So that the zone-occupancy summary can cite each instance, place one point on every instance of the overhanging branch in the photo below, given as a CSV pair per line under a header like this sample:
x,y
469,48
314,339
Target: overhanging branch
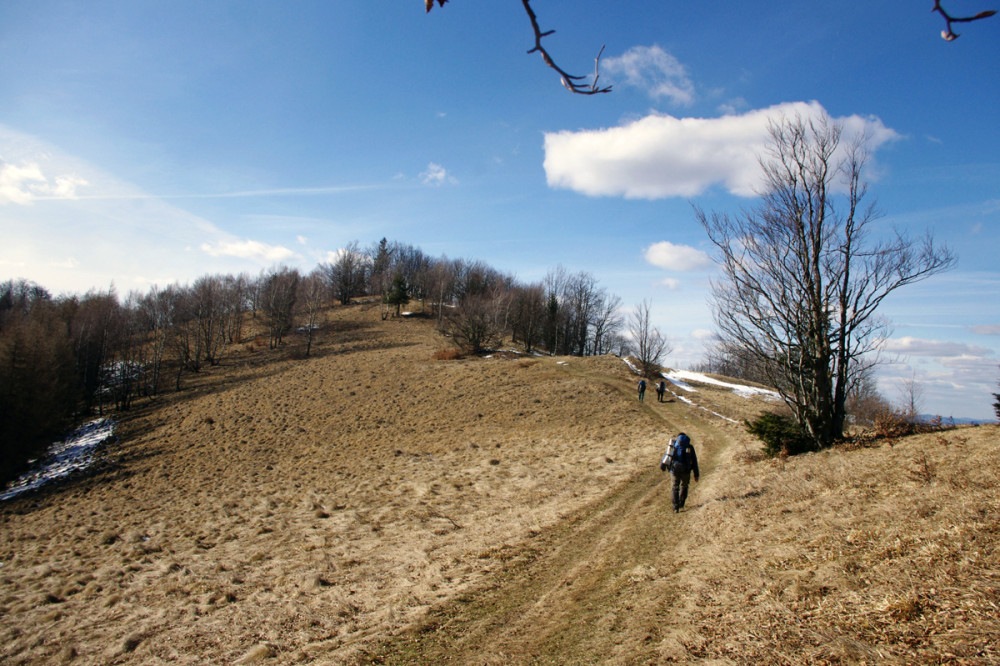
x,y
572,83
950,35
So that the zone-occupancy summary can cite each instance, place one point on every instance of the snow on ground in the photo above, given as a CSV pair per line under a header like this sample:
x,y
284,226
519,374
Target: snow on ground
x,y
73,454
678,376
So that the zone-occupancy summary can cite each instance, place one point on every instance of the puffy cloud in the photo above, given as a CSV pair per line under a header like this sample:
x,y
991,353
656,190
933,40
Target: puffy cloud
x,y
249,249
651,68
661,156
676,257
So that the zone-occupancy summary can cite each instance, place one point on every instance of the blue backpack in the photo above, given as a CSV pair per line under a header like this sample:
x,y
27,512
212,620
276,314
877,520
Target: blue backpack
x,y
677,458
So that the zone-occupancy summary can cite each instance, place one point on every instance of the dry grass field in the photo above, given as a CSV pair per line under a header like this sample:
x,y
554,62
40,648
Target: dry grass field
x,y
372,504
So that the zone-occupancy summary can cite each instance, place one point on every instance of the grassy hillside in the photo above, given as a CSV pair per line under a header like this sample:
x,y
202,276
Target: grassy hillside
x,y
371,504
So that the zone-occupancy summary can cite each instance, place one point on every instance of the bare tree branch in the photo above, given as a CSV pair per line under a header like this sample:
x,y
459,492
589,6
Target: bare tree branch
x,y
948,34
572,83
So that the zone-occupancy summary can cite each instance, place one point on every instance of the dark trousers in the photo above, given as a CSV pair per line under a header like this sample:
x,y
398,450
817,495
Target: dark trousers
x,y
681,482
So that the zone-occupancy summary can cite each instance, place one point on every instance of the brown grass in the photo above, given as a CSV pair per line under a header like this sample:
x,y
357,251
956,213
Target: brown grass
x,y
371,503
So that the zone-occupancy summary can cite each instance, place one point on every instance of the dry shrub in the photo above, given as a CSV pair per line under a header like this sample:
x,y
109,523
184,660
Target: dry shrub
x,y
452,354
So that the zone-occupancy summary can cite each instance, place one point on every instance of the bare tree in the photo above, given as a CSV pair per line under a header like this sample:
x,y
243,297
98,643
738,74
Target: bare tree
x,y
278,302
911,394
312,295
803,277
650,345
347,273
527,315
476,323
606,322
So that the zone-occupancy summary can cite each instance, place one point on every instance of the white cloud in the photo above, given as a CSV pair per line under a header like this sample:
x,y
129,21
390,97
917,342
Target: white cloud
x,y
670,283
661,156
651,68
676,257
112,232
986,329
703,334
26,183
249,249
436,175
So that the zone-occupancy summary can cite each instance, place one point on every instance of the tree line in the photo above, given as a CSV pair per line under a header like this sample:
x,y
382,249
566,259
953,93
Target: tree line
x,y
65,357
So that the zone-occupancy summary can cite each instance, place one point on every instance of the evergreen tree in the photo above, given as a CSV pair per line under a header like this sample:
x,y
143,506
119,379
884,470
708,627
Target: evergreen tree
x,y
399,292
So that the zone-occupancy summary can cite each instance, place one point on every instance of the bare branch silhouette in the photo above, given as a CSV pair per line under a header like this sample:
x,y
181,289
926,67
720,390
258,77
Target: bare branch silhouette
x,y
950,35
575,84
580,86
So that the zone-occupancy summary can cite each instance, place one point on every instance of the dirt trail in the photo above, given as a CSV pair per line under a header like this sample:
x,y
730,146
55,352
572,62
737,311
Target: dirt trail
x,y
606,586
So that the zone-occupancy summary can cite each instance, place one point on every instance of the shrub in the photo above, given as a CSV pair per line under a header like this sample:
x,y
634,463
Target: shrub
x,y
780,435
448,354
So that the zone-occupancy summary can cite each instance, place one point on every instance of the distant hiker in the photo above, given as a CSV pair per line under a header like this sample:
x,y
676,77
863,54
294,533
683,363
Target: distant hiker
x,y
682,462
661,388
642,389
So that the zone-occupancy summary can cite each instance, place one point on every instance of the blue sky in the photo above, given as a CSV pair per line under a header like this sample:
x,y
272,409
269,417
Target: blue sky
x,y
146,143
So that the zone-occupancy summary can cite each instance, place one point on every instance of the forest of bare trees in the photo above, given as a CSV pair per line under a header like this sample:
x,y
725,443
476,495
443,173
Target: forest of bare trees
x,y
62,358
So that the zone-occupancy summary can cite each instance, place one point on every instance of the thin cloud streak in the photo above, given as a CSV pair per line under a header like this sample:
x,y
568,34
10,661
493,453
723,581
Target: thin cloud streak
x,y
277,192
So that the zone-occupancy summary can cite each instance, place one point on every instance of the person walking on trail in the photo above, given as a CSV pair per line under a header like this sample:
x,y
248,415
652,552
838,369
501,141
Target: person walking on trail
x,y
682,462
661,388
642,389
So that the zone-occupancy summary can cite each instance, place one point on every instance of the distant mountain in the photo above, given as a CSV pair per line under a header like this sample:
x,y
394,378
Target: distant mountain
x,y
951,420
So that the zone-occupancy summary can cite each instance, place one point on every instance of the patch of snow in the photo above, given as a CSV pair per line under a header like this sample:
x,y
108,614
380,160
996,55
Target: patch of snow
x,y
73,454
741,390
679,384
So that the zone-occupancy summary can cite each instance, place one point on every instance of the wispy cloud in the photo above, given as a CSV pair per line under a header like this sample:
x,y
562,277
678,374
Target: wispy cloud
x,y
661,156
654,70
435,174
249,249
936,348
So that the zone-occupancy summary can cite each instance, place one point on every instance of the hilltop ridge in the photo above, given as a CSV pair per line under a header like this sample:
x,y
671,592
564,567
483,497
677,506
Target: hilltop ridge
x,y
371,503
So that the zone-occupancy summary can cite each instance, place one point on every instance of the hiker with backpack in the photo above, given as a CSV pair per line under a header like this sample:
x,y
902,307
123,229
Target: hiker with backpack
x,y
661,388
682,462
642,389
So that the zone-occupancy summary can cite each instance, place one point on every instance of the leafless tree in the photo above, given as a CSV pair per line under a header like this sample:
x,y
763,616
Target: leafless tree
x,y
312,295
527,315
649,344
278,302
606,322
476,324
158,306
803,276
346,274
911,393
